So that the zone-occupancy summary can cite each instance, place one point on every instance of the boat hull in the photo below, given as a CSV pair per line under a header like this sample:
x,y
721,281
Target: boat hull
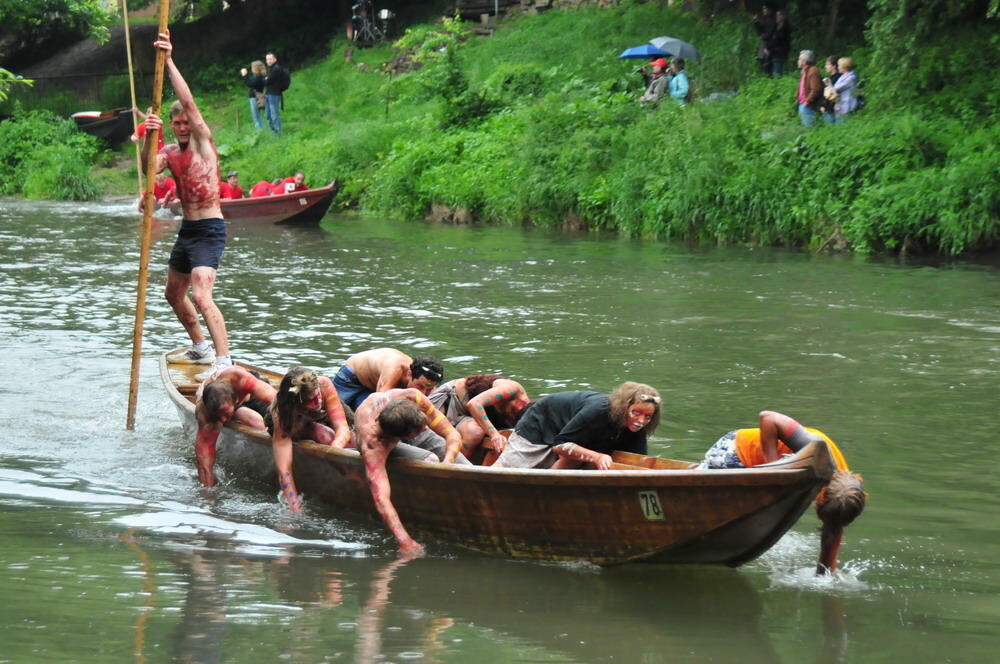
x,y
114,126
723,517
300,207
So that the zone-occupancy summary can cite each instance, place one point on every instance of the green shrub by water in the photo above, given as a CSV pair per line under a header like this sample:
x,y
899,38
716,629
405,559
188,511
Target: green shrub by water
x,y
45,156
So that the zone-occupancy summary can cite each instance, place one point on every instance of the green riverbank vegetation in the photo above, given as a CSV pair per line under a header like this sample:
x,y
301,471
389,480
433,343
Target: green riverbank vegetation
x,y
539,124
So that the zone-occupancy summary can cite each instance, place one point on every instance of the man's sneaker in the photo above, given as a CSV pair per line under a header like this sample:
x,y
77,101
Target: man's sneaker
x,y
192,356
212,370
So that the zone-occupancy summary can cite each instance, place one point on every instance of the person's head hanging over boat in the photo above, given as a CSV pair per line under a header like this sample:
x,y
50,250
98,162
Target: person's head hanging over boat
x,y
232,394
837,505
583,428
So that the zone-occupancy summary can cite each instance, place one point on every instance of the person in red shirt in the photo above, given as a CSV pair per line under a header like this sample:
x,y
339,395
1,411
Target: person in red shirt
x,y
231,187
262,188
165,191
295,182
139,135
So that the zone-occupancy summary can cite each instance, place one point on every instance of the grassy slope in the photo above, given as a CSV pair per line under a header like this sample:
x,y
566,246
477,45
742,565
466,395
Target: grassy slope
x,y
555,136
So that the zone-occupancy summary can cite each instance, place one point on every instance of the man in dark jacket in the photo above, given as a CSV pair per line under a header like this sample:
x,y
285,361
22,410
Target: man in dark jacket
x,y
275,84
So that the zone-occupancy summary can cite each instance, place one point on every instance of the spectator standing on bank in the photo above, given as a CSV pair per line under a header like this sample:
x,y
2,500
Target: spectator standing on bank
x,y
657,83
764,23
275,84
810,89
779,44
254,80
829,94
846,88
678,85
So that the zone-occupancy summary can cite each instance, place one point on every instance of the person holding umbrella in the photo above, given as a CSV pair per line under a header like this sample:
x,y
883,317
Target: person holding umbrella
x,y
657,84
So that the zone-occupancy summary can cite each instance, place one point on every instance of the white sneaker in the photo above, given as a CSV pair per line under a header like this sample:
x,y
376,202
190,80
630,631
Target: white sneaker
x,y
192,355
211,371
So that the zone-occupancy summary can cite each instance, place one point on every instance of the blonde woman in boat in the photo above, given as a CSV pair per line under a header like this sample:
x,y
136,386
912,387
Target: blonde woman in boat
x,y
306,407
582,428
231,394
480,405
840,503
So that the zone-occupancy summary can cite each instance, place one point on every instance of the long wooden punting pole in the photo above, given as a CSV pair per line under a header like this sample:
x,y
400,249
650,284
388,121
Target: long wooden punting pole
x,y
147,227
131,87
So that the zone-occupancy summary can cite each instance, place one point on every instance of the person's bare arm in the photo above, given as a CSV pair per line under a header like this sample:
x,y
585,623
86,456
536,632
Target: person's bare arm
x,y
774,426
282,447
574,452
335,409
374,454
438,423
391,377
199,128
204,451
501,392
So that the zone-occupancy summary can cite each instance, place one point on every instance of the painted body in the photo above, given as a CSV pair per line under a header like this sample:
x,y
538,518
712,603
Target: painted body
x,y
310,403
375,446
245,386
194,162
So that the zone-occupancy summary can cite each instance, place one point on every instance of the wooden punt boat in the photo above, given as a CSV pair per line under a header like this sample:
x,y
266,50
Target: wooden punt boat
x,y
114,126
646,509
297,207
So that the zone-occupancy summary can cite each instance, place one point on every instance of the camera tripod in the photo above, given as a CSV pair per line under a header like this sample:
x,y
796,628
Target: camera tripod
x,y
366,31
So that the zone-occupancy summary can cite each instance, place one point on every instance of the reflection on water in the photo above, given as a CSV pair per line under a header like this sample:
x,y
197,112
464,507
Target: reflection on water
x,y
885,358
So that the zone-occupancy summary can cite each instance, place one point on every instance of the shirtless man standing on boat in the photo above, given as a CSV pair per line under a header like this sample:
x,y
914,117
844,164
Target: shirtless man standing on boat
x,y
194,260
383,369
383,422
231,394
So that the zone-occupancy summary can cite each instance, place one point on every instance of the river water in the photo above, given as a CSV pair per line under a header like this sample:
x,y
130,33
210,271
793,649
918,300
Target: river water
x,y
111,552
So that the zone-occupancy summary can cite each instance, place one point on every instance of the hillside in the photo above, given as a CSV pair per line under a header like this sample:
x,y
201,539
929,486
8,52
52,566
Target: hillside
x,y
539,124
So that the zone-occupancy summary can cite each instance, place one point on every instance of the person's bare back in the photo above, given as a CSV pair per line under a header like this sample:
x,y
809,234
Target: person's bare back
x,y
381,369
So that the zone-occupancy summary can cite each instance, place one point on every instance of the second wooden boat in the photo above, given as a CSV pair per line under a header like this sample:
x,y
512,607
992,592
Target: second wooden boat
x,y
646,509
297,207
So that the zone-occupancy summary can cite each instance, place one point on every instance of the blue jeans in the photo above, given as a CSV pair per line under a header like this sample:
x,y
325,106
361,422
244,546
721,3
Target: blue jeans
x,y
807,115
272,105
255,113
777,67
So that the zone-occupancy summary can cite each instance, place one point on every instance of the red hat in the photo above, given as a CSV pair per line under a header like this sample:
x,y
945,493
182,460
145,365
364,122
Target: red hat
x,y
659,62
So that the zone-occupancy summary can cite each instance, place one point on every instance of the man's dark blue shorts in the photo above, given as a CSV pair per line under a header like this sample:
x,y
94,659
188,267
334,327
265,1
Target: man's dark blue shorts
x,y
199,244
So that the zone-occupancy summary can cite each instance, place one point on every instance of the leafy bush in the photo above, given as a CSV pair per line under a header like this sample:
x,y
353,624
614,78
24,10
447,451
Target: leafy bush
x,y
23,142
58,172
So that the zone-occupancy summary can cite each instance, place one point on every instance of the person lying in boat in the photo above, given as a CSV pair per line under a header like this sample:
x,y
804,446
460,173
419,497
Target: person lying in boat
x,y
479,405
265,188
306,407
837,505
582,428
383,369
401,423
231,394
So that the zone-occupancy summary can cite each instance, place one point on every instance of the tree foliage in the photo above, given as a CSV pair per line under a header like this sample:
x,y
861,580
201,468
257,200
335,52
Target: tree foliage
x,y
30,24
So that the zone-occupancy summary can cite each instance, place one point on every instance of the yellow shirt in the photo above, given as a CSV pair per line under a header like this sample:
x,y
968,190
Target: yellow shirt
x,y
752,454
